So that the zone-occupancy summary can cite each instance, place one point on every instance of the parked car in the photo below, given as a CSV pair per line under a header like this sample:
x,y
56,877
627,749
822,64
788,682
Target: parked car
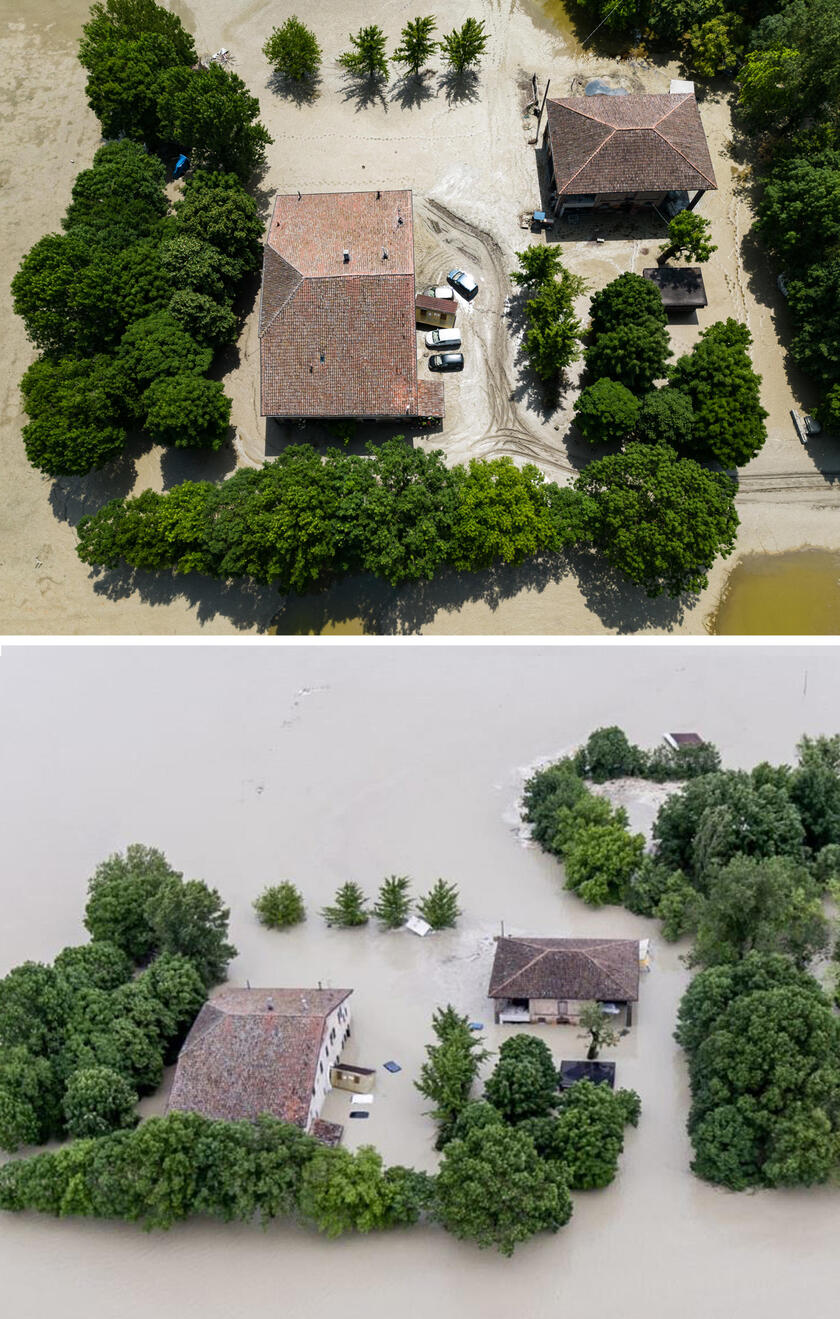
x,y
446,362
440,291
463,284
446,339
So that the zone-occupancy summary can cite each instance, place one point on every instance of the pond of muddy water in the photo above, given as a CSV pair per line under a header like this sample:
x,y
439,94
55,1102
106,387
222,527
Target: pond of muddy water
x,y
793,594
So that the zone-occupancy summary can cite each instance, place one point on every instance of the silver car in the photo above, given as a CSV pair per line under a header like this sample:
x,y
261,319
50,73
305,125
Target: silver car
x,y
443,339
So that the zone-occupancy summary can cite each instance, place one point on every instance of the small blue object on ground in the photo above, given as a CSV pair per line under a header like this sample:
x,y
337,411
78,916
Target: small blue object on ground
x,y
182,164
392,1066
476,1025
359,1113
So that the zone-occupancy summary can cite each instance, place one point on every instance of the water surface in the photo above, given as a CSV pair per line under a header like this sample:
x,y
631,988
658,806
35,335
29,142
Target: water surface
x,y
793,594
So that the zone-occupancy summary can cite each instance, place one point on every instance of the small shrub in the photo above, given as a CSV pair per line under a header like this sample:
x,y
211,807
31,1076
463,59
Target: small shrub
x,y
280,906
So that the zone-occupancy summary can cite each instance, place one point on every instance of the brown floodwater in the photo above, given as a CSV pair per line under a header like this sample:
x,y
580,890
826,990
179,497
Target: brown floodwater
x,y
323,762
793,594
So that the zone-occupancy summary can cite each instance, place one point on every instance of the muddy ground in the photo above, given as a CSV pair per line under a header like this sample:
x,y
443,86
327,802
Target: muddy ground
x,y
465,152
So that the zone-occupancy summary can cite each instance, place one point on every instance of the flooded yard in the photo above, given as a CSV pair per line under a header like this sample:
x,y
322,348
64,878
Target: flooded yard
x,y
795,594
323,764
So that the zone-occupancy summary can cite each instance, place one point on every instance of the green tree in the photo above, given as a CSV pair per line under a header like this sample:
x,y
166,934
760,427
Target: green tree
x,y
293,50
550,342
626,300
715,47
712,990
586,1136
203,318
186,410
114,19
280,906
30,1108
463,47
121,198
97,1101
367,59
213,118
523,1084
815,790
769,86
493,1188
154,347
688,236
123,84
799,211
74,406
635,354
600,860
189,918
118,893
666,416
813,300
440,906
216,209
66,294
191,264
598,1028
767,904
659,519
418,45
349,907
504,514
538,264
606,412
393,904
98,965
680,907
351,1192
450,1069
608,754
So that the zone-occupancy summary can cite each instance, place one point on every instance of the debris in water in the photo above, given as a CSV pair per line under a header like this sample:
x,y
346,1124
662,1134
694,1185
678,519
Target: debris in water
x,y
392,1066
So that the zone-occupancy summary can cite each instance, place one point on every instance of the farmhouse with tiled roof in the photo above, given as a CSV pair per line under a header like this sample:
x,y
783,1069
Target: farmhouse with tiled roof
x,y
614,151
337,326
255,1051
550,979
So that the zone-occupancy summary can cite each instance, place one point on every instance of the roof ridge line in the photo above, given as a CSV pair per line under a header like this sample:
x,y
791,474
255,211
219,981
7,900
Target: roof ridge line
x,y
520,969
682,154
286,300
599,147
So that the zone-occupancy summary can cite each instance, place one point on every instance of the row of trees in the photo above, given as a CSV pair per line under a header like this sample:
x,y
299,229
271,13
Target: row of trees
x,y
709,405
302,522
552,330
511,1157
81,1038
294,52
784,55
281,905
609,754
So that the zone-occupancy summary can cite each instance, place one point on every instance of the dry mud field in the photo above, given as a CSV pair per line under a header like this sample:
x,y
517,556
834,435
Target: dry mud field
x,y
469,162
334,764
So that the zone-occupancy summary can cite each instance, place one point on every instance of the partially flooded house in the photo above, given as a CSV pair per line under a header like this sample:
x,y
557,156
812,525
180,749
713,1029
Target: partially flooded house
x,y
264,1051
550,980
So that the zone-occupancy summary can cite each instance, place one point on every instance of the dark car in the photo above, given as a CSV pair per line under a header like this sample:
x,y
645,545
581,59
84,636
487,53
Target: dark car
x,y
463,284
446,362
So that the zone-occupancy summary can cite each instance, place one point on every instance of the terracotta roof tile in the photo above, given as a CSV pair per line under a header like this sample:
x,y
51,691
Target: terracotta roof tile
x,y
242,1058
601,969
338,338
637,143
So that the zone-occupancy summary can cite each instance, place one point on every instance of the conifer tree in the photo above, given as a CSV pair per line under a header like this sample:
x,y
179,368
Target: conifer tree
x,y
393,903
349,908
417,45
440,906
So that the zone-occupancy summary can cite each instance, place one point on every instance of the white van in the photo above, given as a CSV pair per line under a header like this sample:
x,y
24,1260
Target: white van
x,y
443,340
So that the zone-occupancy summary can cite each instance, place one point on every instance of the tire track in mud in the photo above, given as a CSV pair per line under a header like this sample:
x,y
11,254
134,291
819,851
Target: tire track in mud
x,y
507,423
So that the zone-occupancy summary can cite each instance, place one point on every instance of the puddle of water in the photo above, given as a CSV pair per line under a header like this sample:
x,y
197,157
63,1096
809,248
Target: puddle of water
x,y
794,594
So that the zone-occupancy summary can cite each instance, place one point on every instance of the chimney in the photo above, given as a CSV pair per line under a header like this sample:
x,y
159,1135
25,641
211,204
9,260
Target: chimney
x,y
378,194
346,256
399,221
384,254
269,1005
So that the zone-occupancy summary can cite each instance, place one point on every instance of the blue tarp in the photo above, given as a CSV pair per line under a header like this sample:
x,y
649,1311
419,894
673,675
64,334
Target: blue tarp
x,y
182,164
597,87
392,1066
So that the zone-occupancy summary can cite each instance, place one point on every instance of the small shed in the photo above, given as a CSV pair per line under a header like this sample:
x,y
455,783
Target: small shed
x,y
346,1077
434,311
597,1072
681,288
679,741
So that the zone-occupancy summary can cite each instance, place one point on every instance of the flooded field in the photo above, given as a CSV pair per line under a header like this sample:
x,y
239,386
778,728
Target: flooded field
x,y
795,594
326,763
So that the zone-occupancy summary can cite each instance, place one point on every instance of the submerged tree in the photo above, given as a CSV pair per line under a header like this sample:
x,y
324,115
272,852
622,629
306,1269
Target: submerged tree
x,y
598,1028
440,906
280,905
393,904
349,907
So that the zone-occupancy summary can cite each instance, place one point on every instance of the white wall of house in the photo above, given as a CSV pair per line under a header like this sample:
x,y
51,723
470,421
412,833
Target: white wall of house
x,y
336,1029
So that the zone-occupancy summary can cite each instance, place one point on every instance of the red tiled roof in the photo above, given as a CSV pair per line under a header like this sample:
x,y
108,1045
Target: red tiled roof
x,y
636,143
337,338
242,1058
427,303
601,969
